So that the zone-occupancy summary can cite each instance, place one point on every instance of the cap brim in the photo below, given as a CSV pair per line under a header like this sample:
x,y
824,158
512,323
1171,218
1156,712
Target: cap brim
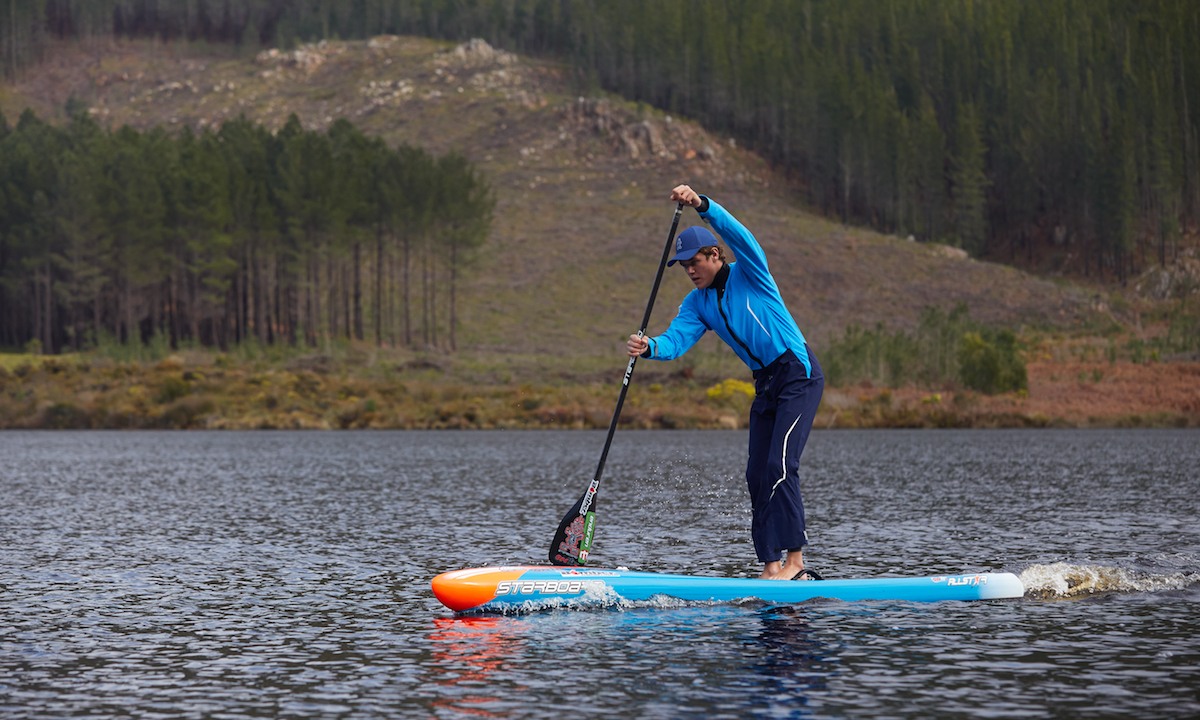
x,y
682,255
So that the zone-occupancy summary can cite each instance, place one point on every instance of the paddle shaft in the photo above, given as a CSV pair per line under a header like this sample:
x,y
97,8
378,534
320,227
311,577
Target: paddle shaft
x,y
582,520
662,265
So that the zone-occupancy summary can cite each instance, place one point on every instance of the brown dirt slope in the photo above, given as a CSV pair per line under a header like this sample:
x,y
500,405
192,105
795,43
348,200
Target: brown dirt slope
x,y
1061,394
582,185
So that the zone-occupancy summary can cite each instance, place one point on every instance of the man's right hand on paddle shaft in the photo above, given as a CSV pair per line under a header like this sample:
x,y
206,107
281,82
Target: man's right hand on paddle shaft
x,y
637,345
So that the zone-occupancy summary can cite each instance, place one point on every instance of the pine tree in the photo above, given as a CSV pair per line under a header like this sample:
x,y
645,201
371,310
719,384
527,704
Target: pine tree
x,y
465,205
968,181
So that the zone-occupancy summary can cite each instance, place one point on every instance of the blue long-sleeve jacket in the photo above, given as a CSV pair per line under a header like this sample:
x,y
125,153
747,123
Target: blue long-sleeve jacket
x,y
748,314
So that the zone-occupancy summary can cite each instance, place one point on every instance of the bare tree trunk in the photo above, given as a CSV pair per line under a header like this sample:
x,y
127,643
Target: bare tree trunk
x,y
425,298
173,310
379,285
846,182
48,321
346,299
193,307
391,303
1189,170
35,332
118,321
222,328
316,298
282,306
358,314
407,308
156,309
433,325
12,25
239,301
1087,258
306,304
97,316
74,313
331,301
453,306
128,313
291,304
271,298
261,315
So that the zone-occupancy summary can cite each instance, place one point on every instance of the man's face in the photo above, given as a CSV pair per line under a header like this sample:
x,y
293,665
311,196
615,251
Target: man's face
x,y
702,268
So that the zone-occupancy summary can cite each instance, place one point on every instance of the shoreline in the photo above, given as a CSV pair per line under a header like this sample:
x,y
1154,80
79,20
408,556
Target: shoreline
x,y
77,393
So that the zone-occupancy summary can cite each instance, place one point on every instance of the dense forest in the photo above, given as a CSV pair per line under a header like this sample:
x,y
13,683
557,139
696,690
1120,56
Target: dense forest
x,y
998,125
230,236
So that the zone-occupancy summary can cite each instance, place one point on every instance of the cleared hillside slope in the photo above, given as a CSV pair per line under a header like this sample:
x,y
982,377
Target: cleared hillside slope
x,y
582,185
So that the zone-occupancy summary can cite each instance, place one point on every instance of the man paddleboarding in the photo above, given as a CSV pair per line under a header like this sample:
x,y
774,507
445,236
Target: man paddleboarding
x,y
740,302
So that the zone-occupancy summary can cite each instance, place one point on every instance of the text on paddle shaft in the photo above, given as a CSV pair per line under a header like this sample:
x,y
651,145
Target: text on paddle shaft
x,y
593,486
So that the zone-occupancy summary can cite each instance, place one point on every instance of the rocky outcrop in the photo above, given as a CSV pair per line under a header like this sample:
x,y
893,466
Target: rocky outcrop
x,y
1181,278
639,139
476,52
306,57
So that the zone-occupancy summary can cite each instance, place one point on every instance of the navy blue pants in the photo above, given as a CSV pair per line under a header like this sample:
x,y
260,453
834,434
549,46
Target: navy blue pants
x,y
781,417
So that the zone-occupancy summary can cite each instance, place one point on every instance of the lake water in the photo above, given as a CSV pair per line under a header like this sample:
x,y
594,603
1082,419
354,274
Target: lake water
x,y
279,574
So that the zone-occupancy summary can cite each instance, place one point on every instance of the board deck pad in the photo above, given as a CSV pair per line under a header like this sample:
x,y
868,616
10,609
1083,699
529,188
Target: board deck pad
x,y
528,588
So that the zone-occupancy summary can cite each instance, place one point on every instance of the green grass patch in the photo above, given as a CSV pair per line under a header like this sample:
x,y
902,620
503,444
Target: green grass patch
x,y
946,350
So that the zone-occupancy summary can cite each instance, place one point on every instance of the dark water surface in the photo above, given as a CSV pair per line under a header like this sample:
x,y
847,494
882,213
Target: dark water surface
x,y
278,574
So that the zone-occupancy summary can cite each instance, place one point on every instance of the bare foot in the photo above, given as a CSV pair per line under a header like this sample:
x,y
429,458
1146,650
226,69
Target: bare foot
x,y
770,570
790,568
780,571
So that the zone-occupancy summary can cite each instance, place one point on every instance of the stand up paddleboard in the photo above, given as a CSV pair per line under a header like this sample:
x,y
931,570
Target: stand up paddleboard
x,y
529,588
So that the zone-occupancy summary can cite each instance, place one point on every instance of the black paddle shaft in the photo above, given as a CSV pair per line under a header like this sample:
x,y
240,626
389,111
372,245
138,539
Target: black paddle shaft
x,y
662,265
573,538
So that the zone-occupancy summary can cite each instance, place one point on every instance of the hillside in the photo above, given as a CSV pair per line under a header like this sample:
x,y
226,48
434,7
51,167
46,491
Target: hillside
x,y
581,185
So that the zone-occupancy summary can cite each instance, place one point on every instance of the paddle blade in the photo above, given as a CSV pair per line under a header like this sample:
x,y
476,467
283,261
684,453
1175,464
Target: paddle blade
x,y
573,539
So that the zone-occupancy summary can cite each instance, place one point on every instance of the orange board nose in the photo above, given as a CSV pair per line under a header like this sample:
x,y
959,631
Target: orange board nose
x,y
462,590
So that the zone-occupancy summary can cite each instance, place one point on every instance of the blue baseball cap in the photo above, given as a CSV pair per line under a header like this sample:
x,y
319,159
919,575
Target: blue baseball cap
x,y
689,242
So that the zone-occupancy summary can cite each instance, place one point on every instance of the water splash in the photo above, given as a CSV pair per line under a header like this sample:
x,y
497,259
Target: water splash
x,y
1061,581
601,597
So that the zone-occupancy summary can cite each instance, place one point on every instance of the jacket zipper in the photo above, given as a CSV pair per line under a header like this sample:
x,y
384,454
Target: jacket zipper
x,y
732,334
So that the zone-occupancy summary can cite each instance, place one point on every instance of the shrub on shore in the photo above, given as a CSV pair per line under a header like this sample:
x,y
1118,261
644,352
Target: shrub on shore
x,y
947,349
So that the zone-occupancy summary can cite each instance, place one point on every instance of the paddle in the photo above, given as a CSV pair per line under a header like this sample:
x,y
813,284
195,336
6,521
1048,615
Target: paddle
x,y
573,539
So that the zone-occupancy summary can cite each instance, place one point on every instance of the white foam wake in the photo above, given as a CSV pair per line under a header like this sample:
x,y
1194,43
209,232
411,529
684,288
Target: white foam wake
x,y
1064,580
599,596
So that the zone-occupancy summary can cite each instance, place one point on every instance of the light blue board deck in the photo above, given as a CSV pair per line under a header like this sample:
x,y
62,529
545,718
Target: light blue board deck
x,y
526,588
